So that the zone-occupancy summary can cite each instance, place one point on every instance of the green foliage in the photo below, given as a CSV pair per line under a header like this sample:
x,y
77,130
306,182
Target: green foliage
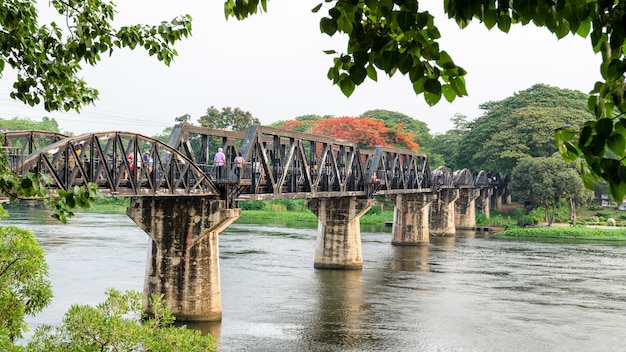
x,y
446,145
17,124
546,181
118,325
78,197
252,205
24,286
228,119
48,57
519,127
375,210
527,220
578,232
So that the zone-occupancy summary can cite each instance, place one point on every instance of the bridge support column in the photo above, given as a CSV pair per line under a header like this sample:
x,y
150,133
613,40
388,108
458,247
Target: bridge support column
x,y
465,208
442,212
483,201
410,219
183,261
339,232
496,198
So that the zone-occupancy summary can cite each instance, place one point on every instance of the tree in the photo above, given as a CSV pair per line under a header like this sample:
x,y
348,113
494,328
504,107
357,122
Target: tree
x,y
16,124
395,36
118,324
304,123
519,127
419,129
445,145
365,131
547,180
228,119
24,286
48,58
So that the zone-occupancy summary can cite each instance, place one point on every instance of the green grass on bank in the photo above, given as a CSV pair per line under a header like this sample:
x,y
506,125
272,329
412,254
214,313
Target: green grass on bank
x,y
575,232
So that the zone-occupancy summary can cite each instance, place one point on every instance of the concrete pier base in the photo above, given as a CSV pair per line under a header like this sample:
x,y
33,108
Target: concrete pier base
x,y
410,219
465,208
442,213
339,232
183,259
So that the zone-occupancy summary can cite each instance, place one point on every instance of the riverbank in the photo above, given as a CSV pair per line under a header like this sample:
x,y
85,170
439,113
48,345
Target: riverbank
x,y
573,232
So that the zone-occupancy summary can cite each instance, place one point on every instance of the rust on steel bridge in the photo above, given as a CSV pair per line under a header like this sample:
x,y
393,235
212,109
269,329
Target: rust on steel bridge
x,y
278,164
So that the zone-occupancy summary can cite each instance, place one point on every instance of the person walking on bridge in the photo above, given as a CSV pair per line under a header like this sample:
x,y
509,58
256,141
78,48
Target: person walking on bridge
x,y
239,160
220,161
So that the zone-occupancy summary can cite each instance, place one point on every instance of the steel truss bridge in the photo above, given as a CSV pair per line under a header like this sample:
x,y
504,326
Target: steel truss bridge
x,y
278,164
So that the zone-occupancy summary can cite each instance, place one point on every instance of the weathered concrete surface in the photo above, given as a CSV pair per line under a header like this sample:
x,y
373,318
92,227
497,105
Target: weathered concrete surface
x,y
497,197
410,218
339,232
483,201
183,261
465,208
442,213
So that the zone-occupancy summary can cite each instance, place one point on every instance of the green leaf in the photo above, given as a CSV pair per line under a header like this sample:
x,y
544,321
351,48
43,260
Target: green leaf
x,y
431,98
504,24
346,85
371,73
604,127
448,93
357,74
433,86
317,8
616,144
597,145
328,26
490,18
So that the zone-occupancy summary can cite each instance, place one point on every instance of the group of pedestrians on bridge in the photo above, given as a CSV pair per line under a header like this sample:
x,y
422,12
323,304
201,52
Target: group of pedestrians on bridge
x,y
220,162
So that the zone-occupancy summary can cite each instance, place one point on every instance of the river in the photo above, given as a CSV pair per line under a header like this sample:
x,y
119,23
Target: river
x,y
472,292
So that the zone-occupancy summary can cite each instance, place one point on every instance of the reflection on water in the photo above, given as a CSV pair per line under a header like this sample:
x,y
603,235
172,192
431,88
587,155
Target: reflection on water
x,y
472,292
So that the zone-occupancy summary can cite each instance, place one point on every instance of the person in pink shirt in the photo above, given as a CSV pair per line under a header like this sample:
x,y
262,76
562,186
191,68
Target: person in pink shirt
x,y
220,161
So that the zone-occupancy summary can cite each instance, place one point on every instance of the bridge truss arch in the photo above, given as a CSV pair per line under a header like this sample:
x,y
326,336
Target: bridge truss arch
x,y
114,161
442,177
464,179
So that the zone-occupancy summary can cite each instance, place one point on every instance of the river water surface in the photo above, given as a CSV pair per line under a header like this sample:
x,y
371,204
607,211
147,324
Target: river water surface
x,y
472,292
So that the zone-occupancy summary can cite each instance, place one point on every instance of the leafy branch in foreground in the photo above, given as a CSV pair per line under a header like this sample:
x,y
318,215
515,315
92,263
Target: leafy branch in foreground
x,y
30,187
24,286
119,324
394,35
48,57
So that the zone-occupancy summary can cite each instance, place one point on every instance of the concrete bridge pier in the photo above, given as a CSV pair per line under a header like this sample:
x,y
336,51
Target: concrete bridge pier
x,y
465,208
183,261
410,218
339,232
442,212
483,201
496,198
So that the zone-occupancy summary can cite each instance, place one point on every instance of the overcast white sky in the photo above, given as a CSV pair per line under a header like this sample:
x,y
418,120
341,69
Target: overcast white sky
x,y
272,65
